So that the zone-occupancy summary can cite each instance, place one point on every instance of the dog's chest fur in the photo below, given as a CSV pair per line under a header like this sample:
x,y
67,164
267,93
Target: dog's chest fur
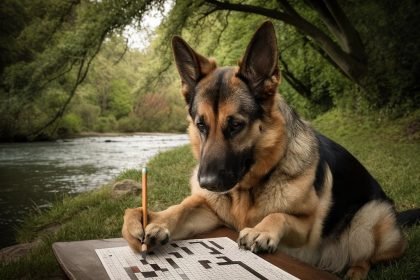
x,y
242,208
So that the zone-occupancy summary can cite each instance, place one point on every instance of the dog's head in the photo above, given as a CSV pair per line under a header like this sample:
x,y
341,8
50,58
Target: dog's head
x,y
231,111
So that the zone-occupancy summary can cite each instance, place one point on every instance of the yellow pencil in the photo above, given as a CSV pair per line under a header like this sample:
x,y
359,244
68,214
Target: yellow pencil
x,y
144,206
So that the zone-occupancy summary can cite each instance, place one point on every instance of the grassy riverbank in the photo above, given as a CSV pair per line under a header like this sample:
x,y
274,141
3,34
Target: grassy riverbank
x,y
390,150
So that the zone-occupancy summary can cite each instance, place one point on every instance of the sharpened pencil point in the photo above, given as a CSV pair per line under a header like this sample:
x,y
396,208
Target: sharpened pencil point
x,y
143,250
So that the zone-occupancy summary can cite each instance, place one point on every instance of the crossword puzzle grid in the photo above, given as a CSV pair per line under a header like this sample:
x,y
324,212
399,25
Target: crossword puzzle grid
x,y
214,258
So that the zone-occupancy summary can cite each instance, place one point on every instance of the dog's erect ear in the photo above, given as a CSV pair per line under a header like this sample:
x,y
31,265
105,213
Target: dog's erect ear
x,y
259,67
191,66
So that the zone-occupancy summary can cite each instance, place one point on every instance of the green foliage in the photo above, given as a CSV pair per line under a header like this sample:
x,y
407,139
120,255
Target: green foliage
x,y
12,20
128,124
105,124
389,32
70,124
70,57
88,113
57,42
120,103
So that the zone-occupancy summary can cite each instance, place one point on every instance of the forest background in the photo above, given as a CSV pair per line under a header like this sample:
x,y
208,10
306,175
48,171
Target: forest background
x,y
67,67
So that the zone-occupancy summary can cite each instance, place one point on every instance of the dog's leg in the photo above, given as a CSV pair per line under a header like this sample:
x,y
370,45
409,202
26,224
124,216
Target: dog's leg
x,y
374,236
358,271
276,227
383,252
192,216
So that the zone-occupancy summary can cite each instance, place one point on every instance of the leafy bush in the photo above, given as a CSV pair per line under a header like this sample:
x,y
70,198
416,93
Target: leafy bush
x,y
105,124
128,124
88,114
70,124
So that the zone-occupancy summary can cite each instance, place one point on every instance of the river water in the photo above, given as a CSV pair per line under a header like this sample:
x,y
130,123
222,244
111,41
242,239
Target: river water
x,y
33,175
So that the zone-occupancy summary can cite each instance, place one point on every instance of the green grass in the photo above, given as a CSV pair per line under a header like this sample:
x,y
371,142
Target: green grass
x,y
389,149
168,180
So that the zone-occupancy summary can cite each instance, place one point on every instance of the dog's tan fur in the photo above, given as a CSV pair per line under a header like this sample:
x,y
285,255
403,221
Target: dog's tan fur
x,y
280,212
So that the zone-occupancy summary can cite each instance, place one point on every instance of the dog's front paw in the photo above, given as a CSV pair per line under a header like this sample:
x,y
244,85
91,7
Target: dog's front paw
x,y
156,234
258,241
132,229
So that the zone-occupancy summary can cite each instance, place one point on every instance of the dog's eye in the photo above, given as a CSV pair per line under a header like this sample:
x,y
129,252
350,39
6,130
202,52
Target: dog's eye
x,y
202,127
235,126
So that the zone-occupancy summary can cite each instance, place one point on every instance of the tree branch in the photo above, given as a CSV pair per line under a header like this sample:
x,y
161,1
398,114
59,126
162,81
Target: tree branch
x,y
325,56
339,25
123,53
288,8
327,19
350,65
219,36
57,76
63,15
274,14
206,14
294,82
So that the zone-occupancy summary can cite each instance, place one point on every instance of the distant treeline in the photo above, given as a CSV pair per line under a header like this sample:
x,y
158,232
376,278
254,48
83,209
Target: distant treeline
x,y
65,66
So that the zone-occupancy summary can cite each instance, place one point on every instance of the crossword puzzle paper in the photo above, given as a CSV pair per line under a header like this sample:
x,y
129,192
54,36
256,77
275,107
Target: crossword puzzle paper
x,y
214,258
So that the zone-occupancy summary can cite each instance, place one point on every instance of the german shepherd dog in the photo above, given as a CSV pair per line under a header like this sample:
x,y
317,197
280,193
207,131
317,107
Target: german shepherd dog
x,y
268,174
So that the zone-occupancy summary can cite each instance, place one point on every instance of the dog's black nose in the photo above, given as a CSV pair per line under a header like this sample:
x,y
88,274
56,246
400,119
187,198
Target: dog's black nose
x,y
216,181
209,181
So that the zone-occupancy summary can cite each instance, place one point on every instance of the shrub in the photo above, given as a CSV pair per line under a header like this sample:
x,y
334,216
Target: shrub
x,y
106,124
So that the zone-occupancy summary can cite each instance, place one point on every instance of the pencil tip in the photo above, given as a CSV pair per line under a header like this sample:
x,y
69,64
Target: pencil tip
x,y
143,250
